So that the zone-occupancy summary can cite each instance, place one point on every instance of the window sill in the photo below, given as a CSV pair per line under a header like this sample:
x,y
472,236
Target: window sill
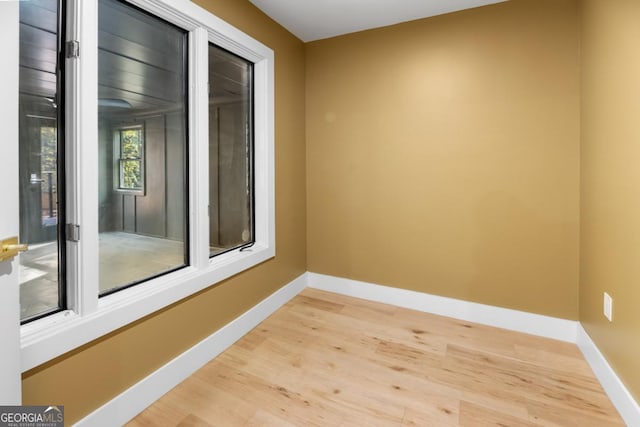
x,y
128,192
54,335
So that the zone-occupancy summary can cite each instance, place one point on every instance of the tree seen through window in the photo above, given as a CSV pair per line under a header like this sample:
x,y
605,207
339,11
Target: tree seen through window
x,y
131,154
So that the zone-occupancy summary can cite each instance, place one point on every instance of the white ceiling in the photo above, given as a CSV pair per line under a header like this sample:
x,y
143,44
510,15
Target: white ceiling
x,y
319,19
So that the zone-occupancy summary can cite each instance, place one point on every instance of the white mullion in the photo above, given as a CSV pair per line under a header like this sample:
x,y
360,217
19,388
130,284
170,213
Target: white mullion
x,y
199,147
264,153
72,161
84,123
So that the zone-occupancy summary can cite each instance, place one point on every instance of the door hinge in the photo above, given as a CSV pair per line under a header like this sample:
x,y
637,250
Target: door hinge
x,y
73,49
73,232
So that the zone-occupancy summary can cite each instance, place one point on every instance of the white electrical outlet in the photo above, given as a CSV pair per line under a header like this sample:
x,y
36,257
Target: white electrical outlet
x,y
608,307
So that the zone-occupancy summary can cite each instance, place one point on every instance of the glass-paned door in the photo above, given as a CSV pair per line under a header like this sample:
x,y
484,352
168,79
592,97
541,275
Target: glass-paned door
x,y
10,368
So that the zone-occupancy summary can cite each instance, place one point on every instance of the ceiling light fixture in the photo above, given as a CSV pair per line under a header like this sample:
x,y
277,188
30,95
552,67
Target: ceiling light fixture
x,y
112,102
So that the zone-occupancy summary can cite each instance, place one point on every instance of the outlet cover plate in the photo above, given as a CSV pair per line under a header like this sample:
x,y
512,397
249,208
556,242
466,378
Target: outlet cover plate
x,y
608,307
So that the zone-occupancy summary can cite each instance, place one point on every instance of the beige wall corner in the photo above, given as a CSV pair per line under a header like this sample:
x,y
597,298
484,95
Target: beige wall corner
x,y
610,191
88,377
443,156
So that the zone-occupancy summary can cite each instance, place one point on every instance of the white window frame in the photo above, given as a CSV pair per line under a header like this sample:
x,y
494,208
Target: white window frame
x,y
89,317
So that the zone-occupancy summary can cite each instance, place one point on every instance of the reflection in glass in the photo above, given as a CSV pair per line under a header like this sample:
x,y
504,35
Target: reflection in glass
x,y
130,165
40,290
142,146
230,151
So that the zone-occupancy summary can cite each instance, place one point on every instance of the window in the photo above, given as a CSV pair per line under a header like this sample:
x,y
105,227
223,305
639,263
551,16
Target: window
x,y
42,290
130,149
230,151
142,152
142,81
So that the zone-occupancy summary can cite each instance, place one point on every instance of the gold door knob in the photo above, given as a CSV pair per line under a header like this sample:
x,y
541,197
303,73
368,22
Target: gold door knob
x,y
10,248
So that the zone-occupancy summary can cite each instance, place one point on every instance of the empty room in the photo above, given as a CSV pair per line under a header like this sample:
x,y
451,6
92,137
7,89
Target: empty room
x,y
299,213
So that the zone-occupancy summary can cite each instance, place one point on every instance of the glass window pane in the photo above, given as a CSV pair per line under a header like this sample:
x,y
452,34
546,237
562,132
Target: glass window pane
x,y
131,143
40,147
230,151
142,146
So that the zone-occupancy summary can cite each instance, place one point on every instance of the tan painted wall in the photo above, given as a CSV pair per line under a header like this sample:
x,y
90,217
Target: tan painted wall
x,y
85,379
610,192
443,156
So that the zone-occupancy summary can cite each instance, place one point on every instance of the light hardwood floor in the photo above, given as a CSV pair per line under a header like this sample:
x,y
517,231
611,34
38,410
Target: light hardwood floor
x,y
329,360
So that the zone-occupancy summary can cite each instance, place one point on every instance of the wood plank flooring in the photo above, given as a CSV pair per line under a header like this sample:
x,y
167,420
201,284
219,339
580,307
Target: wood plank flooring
x,y
329,360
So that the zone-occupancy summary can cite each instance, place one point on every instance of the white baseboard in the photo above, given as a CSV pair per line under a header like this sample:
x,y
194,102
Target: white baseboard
x,y
535,324
139,396
618,393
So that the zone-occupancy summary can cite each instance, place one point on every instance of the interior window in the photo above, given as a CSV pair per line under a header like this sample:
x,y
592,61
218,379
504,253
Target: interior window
x,y
130,149
142,195
41,282
231,205
113,178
